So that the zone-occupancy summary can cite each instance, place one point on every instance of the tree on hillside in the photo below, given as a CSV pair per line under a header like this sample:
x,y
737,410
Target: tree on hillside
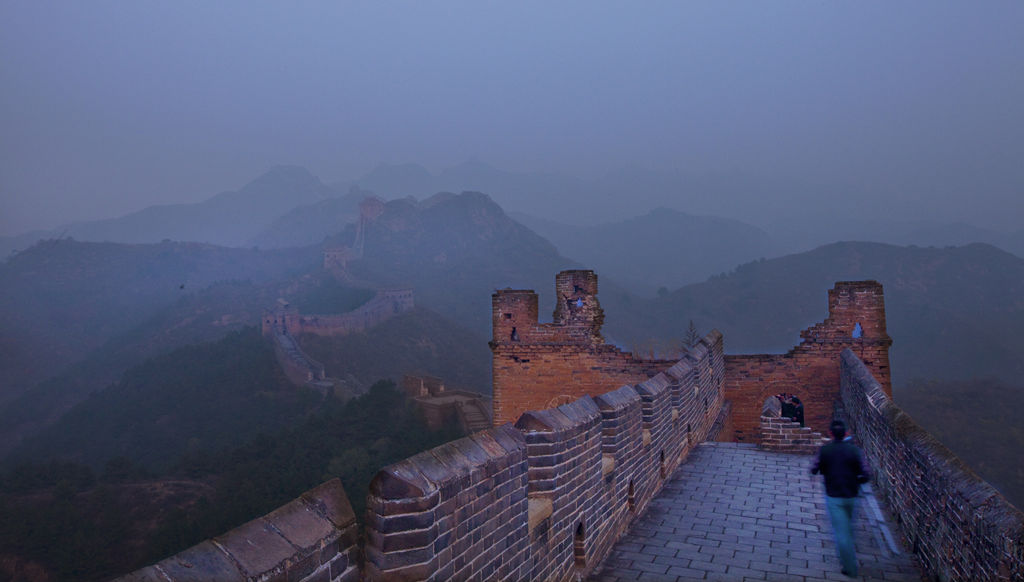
x,y
692,337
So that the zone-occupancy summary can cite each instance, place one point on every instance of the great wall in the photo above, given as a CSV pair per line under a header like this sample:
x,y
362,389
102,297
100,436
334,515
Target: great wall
x,y
285,323
587,436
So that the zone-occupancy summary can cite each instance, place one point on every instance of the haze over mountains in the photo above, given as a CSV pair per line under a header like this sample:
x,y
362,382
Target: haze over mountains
x,y
638,209
151,347
669,146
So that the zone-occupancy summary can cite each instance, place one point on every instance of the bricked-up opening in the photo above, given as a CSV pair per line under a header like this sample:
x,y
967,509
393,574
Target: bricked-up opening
x,y
661,461
631,498
579,548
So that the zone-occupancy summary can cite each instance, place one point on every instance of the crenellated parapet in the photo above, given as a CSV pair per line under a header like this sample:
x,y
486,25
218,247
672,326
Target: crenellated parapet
x,y
547,497
959,526
591,437
314,538
541,365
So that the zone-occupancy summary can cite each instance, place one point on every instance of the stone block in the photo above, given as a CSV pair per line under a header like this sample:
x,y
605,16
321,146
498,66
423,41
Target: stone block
x,y
401,480
301,525
257,548
330,499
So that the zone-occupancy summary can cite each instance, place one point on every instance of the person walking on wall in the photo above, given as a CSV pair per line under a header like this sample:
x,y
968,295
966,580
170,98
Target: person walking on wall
x,y
842,465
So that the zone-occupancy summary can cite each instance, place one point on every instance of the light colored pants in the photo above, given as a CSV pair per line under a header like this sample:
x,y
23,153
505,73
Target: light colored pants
x,y
840,511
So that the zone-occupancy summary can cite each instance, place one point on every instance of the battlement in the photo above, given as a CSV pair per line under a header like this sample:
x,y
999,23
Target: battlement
x,y
856,321
312,538
959,526
539,365
545,498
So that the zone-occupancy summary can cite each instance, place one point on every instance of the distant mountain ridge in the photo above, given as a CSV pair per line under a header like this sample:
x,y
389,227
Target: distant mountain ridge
x,y
454,250
106,305
663,249
226,219
310,224
952,312
288,206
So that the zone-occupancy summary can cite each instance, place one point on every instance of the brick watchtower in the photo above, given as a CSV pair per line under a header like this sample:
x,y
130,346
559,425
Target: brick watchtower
x,y
856,320
539,366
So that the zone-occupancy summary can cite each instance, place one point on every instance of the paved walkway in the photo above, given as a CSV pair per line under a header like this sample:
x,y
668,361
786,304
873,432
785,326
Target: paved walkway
x,y
733,512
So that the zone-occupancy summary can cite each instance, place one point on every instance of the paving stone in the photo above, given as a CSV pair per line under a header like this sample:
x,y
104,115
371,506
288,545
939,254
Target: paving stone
x,y
733,512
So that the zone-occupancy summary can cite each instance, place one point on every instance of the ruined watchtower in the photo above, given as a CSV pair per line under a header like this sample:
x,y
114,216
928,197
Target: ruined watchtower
x,y
856,320
544,365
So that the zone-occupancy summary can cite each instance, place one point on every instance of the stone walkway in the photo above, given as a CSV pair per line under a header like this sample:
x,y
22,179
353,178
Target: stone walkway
x,y
733,512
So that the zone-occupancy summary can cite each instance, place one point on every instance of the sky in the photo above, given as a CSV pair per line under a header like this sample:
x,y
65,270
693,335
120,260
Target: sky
x,y
916,108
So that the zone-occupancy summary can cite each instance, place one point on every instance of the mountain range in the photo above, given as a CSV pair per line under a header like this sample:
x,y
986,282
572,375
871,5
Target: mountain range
x,y
151,348
232,218
288,206
952,312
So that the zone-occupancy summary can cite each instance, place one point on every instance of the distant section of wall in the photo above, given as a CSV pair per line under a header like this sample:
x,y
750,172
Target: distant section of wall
x,y
284,324
547,498
383,306
297,365
811,369
422,385
960,527
312,539
543,365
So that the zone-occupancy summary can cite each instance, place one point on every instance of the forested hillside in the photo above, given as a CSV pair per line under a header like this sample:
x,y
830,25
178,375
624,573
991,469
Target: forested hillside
x,y
113,521
64,299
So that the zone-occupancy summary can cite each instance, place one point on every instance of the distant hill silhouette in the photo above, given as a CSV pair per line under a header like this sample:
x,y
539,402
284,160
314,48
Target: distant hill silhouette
x,y
454,250
952,312
312,223
663,248
228,218
796,235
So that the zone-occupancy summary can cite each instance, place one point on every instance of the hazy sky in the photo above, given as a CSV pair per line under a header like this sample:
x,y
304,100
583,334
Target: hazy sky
x,y
107,107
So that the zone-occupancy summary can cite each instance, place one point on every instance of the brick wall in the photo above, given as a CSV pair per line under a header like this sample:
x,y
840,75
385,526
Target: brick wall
x,y
547,497
458,511
299,368
383,306
787,436
811,369
543,365
311,539
960,527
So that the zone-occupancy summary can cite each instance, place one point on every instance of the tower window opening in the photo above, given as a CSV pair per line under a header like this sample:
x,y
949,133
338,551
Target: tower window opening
x,y
579,547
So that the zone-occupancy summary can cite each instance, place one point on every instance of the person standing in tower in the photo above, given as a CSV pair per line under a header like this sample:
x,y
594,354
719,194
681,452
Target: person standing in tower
x,y
842,465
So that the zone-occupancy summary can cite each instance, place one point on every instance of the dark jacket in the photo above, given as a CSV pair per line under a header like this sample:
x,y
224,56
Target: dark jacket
x,y
843,467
